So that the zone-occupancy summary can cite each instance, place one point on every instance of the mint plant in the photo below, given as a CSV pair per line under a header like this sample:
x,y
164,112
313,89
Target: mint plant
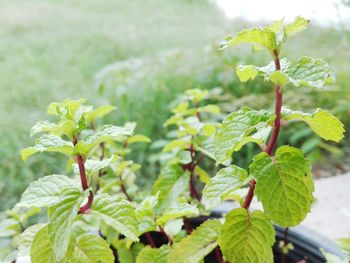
x,y
281,179
101,215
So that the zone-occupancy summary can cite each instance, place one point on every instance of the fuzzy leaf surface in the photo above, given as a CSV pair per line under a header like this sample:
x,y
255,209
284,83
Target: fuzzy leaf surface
x,y
198,244
238,129
61,217
323,123
90,249
117,213
247,237
48,143
222,184
46,191
284,185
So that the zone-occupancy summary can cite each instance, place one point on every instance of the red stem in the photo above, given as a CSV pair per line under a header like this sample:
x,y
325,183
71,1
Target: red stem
x,y
275,130
218,255
150,240
80,161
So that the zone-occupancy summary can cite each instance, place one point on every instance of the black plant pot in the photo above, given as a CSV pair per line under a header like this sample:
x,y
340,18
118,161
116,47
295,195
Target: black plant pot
x,y
306,243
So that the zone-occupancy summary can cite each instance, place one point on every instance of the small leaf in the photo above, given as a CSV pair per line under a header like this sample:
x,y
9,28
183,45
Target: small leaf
x,y
198,244
310,72
99,113
238,129
259,37
324,124
41,250
284,185
222,185
61,217
172,182
93,166
210,108
48,143
90,249
66,127
299,24
184,157
175,144
245,73
247,237
180,210
138,138
204,177
103,134
344,244
117,213
47,191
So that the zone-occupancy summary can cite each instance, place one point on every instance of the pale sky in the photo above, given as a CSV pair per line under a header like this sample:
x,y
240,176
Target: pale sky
x,y
323,12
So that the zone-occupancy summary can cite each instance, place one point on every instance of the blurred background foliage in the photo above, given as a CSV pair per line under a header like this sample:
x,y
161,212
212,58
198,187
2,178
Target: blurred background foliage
x,y
139,56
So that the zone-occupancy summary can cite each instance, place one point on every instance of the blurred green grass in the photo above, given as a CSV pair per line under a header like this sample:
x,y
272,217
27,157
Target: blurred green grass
x,y
51,50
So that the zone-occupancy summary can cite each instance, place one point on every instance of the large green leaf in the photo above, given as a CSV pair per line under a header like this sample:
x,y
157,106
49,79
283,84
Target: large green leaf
x,y
118,213
61,217
48,143
99,112
41,250
222,185
247,237
172,182
323,123
180,210
284,185
238,129
259,37
198,244
47,191
90,249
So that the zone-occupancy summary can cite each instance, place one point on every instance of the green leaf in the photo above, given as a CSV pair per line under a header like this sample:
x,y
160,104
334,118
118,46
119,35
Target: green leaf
x,y
117,213
247,237
63,127
210,108
104,134
184,157
196,95
162,254
47,191
198,244
172,182
259,37
284,185
48,143
61,217
147,255
204,177
299,24
324,124
9,227
138,138
180,210
25,240
247,72
99,113
41,250
175,144
145,214
90,249
93,166
238,129
222,185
